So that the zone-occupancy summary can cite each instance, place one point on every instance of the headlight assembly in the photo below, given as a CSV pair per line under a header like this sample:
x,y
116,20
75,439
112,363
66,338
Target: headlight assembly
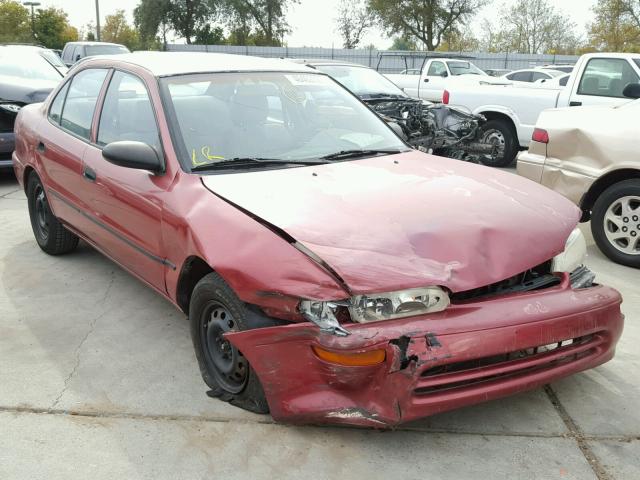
x,y
575,252
375,307
12,108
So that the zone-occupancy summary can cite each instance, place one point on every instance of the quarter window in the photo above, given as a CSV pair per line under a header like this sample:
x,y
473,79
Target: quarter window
x,y
606,77
81,102
55,112
127,113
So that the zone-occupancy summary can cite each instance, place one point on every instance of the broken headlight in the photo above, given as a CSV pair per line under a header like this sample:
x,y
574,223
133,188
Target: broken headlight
x,y
375,307
405,303
12,108
575,251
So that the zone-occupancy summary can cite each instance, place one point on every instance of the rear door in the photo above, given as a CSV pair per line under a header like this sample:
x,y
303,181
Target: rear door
x,y
128,203
62,144
603,80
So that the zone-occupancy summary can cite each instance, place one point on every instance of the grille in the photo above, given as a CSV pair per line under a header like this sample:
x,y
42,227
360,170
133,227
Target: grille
x,y
499,367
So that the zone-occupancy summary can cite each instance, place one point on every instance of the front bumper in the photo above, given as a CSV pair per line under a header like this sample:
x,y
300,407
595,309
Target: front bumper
x,y
468,354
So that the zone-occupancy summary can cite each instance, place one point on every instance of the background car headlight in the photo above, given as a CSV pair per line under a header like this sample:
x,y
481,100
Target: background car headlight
x,y
405,303
11,108
575,251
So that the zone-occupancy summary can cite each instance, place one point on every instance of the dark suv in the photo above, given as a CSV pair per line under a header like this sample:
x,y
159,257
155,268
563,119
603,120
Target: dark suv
x,y
74,51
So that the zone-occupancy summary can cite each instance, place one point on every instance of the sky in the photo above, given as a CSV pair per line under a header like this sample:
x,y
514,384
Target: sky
x,y
312,21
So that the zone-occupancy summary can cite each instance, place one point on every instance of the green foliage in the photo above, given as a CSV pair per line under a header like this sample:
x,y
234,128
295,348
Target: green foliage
x,y
209,35
354,19
53,29
531,26
15,23
116,29
403,43
256,22
426,21
616,26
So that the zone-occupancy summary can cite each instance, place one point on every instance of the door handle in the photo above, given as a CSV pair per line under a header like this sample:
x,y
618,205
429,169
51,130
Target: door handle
x,y
41,147
89,174
575,104
426,80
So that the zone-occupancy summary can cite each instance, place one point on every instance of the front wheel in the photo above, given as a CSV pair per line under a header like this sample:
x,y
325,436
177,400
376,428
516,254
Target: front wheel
x,y
50,233
501,135
615,222
214,310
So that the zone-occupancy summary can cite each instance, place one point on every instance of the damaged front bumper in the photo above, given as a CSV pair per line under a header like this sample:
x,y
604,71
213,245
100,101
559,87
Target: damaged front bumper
x,y
472,352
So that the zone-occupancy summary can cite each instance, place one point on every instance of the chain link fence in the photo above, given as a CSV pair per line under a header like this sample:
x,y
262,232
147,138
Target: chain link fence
x,y
385,61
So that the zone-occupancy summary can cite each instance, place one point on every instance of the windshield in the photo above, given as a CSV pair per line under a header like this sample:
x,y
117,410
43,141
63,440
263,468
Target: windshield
x,y
464,68
361,80
28,65
105,50
283,116
554,73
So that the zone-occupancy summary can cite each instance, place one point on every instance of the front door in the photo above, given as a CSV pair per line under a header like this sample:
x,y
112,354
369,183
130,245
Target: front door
x,y
603,81
128,203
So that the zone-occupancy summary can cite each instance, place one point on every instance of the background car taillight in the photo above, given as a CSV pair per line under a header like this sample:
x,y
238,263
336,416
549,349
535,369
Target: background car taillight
x,y
540,135
445,97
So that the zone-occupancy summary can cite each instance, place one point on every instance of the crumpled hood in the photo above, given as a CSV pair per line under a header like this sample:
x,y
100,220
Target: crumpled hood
x,y
409,220
25,90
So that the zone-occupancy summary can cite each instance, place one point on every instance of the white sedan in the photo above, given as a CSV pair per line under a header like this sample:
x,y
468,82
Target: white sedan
x,y
531,75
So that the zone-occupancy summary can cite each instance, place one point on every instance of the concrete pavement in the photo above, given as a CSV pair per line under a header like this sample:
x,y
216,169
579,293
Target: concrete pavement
x,y
98,380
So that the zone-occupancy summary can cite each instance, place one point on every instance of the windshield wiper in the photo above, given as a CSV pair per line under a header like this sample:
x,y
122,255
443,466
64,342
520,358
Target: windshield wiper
x,y
251,162
344,154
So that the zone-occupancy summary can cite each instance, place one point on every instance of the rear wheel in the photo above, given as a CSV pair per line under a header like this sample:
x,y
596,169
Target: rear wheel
x,y
500,133
214,310
615,222
50,233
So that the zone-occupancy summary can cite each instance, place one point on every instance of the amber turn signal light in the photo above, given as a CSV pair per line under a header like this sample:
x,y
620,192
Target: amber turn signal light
x,y
360,359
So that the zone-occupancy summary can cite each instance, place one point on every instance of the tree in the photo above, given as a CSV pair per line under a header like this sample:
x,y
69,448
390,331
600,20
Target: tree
x,y
425,20
52,28
151,18
116,29
15,23
266,17
616,26
185,17
456,40
209,35
403,43
531,26
354,19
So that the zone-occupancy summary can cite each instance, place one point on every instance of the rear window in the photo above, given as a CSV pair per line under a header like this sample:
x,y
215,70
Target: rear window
x,y
105,50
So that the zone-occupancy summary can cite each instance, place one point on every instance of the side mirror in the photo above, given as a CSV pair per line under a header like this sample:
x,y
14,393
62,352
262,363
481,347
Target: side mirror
x,y
632,90
444,74
138,155
77,57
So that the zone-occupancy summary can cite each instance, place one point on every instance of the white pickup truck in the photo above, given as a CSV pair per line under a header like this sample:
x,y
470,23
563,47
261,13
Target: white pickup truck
x,y
437,74
512,110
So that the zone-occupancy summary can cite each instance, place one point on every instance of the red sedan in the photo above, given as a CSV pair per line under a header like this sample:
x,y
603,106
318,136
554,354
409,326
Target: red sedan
x,y
330,273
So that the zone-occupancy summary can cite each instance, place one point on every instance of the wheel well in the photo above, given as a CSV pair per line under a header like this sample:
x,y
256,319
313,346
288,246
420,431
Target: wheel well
x,y
25,177
501,116
600,185
193,269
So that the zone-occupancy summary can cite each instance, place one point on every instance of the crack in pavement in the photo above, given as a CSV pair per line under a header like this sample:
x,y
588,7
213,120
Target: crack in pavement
x,y
9,193
92,326
201,418
576,433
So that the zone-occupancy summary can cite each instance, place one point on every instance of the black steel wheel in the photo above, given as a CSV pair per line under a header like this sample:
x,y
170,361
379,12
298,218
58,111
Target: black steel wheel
x,y
215,309
50,233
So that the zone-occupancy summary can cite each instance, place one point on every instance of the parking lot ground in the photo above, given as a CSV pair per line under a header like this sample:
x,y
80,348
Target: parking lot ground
x,y
98,379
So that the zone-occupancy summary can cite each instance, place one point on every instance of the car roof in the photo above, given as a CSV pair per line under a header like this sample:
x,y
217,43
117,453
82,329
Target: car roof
x,y
321,61
164,64
91,44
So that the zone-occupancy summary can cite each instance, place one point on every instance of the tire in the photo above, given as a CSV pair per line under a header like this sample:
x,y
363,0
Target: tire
x,y
51,235
213,309
501,132
608,222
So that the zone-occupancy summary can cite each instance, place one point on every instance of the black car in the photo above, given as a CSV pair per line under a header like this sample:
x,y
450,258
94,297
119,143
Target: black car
x,y
27,75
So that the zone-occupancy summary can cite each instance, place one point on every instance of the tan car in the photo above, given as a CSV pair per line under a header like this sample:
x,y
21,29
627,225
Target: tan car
x,y
591,155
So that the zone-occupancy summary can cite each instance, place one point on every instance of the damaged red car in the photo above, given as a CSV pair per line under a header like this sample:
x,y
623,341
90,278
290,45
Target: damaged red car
x,y
331,274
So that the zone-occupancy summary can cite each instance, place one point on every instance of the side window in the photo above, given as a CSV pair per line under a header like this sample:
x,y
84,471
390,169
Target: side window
x,y
539,75
127,113
436,69
563,81
55,111
81,101
520,76
606,77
